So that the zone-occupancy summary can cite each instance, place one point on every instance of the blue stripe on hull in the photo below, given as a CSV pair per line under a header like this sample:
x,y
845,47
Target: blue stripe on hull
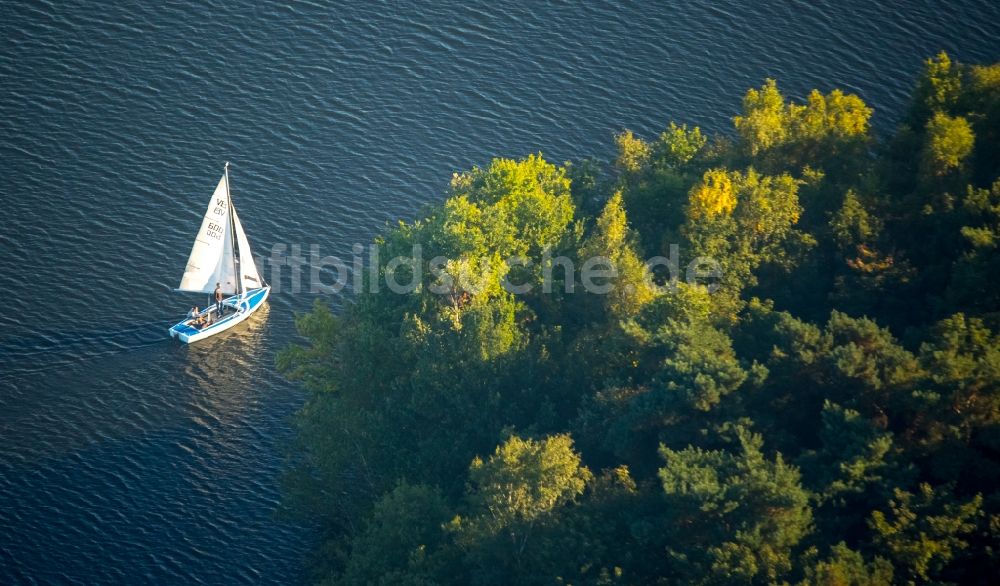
x,y
244,307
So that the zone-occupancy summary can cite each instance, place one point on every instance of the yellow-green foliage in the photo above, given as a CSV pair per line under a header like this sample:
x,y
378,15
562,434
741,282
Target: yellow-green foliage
x,y
526,478
632,288
713,196
922,533
764,122
633,152
949,142
835,114
512,207
677,145
845,567
985,79
768,205
768,121
940,84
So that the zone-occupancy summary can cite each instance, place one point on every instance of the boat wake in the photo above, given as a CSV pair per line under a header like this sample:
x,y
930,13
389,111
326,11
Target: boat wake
x,y
43,351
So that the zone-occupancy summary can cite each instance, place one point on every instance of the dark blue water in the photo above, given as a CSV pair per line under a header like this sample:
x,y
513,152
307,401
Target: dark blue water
x,y
127,458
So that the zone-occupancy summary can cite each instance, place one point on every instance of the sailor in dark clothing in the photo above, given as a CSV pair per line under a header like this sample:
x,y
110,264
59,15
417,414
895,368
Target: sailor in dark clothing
x,y
218,299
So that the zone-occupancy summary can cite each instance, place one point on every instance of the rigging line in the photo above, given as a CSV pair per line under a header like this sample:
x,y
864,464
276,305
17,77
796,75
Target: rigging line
x,y
233,236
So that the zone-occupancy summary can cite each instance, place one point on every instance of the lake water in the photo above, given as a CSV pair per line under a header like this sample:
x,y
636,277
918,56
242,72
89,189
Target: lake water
x,y
127,457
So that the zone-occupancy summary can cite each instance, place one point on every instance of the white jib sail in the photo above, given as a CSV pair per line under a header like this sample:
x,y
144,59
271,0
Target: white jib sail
x,y
248,268
211,259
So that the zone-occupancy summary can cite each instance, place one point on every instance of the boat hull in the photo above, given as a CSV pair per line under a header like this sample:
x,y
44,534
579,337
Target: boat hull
x,y
243,305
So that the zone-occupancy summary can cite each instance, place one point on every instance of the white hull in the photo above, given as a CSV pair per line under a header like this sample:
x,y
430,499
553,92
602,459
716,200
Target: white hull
x,y
243,306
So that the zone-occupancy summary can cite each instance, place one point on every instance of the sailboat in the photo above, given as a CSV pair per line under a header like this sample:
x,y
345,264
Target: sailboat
x,y
220,258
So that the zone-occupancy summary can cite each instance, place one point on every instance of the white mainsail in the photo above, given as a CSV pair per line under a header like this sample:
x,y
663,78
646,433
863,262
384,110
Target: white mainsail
x,y
211,259
248,268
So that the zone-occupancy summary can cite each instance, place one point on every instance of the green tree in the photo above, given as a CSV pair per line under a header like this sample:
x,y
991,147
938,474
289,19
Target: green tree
x,y
526,478
855,456
921,533
963,359
735,517
403,541
679,367
845,567
510,495
852,225
971,286
632,287
656,182
524,207
677,146
851,362
956,414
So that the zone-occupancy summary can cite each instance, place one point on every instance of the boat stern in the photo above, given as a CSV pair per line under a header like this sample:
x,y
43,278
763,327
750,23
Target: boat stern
x,y
183,332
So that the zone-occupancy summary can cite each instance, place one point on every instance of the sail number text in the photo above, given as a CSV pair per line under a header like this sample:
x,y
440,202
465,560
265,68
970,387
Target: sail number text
x,y
214,230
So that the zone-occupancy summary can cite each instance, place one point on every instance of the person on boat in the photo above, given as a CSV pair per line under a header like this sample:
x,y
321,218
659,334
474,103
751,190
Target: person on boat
x,y
196,317
218,299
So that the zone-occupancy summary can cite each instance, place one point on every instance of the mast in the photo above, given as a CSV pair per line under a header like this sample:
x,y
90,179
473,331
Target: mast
x,y
232,230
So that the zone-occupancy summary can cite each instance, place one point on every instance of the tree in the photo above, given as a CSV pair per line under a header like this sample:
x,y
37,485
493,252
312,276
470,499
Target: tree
x,y
526,205
633,152
921,533
963,359
824,133
764,122
845,567
679,369
632,287
714,196
852,472
835,114
743,221
520,486
949,143
735,517
403,541
938,88
980,103
526,478
852,226
850,361
855,456
677,146
971,285
956,415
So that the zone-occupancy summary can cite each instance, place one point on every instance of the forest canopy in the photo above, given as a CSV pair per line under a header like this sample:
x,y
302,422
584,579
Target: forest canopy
x,y
827,412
